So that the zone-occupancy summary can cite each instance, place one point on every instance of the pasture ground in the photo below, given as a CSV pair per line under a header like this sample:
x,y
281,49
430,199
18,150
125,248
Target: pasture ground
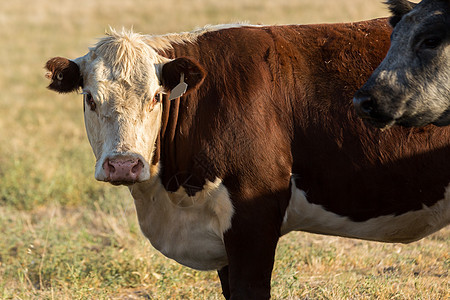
x,y
66,236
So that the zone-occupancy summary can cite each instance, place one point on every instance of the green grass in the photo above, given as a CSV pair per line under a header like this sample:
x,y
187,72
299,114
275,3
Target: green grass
x,y
66,236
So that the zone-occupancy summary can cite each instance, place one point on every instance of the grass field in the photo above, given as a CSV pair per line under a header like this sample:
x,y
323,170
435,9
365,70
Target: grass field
x,y
66,236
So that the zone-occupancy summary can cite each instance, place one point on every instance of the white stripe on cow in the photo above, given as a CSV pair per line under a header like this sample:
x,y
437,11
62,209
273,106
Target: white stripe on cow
x,y
302,215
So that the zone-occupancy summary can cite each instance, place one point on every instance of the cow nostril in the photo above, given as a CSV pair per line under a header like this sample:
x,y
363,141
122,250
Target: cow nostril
x,y
137,167
365,105
111,168
108,167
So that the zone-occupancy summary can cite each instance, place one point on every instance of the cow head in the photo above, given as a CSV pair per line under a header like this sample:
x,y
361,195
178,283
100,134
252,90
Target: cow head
x,y
411,87
121,80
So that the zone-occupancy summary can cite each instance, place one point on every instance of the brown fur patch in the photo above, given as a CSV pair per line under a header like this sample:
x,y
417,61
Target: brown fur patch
x,y
282,101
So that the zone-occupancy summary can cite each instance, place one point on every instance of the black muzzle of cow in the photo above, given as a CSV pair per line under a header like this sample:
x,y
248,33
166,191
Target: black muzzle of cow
x,y
366,107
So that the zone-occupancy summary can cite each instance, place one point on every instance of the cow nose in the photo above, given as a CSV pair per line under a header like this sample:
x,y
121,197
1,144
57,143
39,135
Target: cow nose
x,y
364,105
122,170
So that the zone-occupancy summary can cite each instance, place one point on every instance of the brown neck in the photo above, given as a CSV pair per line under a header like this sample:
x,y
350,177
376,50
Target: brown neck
x,y
168,124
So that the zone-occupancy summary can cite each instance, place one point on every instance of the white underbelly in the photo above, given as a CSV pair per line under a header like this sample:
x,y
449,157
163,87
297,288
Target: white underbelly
x,y
302,215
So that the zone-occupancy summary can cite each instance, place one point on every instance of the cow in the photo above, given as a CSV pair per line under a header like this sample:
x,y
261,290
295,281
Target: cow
x,y
231,136
411,87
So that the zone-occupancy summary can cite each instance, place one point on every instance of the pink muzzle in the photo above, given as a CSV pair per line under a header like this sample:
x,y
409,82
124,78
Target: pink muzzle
x,y
122,170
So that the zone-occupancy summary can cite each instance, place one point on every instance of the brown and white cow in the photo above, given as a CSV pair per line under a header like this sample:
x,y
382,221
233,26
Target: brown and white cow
x,y
264,141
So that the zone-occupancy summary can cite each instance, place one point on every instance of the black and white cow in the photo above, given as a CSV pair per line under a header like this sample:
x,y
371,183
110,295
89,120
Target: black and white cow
x,y
411,87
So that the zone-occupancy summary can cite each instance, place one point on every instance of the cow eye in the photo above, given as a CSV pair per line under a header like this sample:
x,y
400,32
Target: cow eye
x,y
157,98
430,43
90,101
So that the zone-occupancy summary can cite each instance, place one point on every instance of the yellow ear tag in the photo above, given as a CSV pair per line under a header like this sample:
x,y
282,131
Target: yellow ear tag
x,y
179,90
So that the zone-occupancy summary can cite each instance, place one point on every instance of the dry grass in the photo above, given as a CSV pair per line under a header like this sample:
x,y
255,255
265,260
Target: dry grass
x,y
65,236
78,253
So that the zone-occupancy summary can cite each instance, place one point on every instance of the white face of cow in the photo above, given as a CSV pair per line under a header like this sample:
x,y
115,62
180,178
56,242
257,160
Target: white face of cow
x,y
122,116
121,79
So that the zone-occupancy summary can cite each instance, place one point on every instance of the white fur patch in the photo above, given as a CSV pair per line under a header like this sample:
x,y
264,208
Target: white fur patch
x,y
302,215
186,229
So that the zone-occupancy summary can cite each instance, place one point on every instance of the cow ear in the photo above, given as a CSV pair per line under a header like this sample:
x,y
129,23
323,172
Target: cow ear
x,y
399,8
64,74
182,75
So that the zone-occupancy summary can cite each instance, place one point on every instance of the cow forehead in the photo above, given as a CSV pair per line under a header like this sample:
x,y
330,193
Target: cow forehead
x,y
428,9
123,58
419,21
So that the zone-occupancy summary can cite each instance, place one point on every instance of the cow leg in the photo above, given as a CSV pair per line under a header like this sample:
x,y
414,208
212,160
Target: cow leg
x,y
224,281
250,244
250,263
